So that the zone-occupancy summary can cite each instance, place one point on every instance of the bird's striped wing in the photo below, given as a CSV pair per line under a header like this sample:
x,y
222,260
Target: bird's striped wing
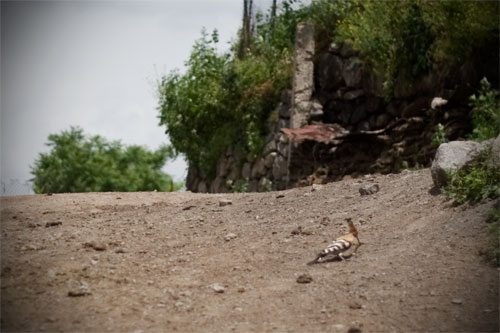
x,y
334,249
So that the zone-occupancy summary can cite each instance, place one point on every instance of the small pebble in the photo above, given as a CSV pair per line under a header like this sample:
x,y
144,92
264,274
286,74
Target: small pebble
x,y
355,306
304,278
457,301
218,288
225,202
316,187
98,246
78,293
369,189
52,224
230,236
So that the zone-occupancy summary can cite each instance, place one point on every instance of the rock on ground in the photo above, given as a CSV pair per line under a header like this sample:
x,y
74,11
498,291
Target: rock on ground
x,y
453,156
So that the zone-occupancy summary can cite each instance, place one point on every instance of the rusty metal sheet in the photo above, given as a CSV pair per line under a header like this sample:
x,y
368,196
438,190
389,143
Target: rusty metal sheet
x,y
324,133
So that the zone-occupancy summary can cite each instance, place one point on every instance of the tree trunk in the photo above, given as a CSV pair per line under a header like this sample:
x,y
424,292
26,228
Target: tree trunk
x,y
273,15
246,32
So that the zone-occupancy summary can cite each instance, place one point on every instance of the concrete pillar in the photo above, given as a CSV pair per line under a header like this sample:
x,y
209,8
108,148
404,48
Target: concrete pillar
x,y
303,72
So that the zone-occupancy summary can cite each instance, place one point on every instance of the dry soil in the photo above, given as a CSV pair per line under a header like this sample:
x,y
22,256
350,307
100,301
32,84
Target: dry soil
x,y
148,262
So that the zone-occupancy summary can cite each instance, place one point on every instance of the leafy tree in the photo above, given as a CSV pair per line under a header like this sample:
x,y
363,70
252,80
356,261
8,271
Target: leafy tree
x,y
221,101
196,108
80,164
226,100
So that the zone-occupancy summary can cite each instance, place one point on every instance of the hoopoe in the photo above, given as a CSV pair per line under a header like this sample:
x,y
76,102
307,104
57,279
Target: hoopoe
x,y
344,246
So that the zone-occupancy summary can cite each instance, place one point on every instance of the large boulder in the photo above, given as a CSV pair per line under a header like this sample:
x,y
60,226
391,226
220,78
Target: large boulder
x,y
453,156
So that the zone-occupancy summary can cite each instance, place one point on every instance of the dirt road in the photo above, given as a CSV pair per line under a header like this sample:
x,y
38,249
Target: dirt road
x,y
147,262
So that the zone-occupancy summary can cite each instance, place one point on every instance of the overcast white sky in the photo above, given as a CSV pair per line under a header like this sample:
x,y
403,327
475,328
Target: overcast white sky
x,y
95,64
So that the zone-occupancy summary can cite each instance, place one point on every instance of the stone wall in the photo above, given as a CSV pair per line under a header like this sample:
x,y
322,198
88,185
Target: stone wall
x,y
369,134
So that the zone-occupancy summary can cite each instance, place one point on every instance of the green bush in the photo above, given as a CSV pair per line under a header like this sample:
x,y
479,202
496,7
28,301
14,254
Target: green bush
x,y
481,180
485,113
439,136
392,36
196,107
478,182
240,186
401,39
222,101
76,163
460,27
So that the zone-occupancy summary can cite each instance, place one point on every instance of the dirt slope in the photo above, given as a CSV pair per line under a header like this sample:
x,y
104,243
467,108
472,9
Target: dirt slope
x,y
149,261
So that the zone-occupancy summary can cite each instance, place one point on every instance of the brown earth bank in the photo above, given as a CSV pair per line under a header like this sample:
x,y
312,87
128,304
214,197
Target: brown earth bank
x,y
148,262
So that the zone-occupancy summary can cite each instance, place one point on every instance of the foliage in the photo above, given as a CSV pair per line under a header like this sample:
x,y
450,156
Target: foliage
x,y
267,185
207,109
485,113
460,27
393,36
481,180
323,14
222,101
401,39
439,136
478,182
79,164
225,100
196,107
240,186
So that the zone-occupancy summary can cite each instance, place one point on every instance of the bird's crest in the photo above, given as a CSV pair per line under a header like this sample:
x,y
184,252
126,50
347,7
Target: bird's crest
x,y
353,230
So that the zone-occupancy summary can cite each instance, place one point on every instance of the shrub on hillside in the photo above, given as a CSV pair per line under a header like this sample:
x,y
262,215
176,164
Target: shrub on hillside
x,y
221,101
485,113
225,100
401,39
77,163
